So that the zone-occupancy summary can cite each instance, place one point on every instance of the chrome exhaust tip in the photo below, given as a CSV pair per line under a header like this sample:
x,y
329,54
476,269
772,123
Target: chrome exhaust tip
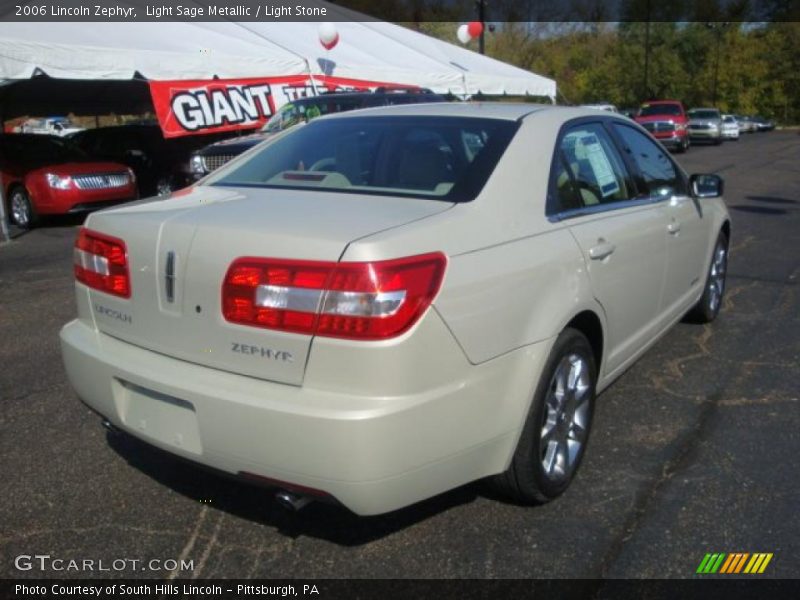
x,y
109,426
292,502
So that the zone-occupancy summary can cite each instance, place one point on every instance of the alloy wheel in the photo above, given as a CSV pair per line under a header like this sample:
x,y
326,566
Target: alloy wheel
x,y
716,277
566,417
20,209
164,187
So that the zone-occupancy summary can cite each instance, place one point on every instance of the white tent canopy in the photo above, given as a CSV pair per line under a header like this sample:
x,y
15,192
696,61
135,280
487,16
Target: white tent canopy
x,y
367,50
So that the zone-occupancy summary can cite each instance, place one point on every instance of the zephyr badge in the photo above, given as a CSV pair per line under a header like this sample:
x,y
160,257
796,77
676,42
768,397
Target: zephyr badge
x,y
169,277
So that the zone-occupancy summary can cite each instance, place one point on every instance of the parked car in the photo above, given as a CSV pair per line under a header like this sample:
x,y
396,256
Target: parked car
x,y
161,165
601,106
45,175
730,128
59,126
746,124
705,124
666,120
763,124
303,110
383,305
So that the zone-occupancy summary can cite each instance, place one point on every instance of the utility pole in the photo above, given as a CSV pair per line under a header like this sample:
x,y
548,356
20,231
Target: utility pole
x,y
481,18
646,90
718,29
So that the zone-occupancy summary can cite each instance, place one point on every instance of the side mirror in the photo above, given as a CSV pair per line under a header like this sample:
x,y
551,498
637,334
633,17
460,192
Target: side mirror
x,y
706,186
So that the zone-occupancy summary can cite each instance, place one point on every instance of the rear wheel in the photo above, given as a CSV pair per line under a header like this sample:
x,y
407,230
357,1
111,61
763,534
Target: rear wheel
x,y
21,210
707,308
556,430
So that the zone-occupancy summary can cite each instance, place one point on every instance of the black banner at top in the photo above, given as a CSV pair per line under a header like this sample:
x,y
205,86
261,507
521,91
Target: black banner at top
x,y
407,11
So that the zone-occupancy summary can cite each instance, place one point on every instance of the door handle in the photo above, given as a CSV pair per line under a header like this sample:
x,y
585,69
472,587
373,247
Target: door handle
x,y
674,227
602,250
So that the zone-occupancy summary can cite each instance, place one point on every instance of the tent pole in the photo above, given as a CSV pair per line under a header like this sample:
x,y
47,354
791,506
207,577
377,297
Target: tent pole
x,y
311,76
5,236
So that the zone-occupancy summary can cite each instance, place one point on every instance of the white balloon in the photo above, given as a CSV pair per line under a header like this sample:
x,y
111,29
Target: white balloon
x,y
327,33
463,34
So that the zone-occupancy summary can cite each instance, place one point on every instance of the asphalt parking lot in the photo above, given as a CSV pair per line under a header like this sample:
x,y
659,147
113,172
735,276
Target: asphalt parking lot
x,y
693,450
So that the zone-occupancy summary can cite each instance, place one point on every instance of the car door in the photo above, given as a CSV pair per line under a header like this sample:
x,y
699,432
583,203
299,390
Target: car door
x,y
621,236
686,229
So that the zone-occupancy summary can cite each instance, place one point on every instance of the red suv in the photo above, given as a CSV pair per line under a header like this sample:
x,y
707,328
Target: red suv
x,y
666,120
42,174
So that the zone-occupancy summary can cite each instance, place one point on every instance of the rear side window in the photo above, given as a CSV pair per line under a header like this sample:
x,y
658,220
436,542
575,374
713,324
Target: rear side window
x,y
661,177
448,158
590,169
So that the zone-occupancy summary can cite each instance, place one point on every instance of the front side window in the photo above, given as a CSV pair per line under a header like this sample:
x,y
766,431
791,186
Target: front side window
x,y
590,168
661,178
425,157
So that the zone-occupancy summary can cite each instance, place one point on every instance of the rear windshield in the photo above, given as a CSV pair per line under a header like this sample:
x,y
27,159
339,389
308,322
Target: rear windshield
x,y
447,158
703,114
649,110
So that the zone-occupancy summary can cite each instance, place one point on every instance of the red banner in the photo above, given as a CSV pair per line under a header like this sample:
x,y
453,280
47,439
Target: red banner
x,y
212,106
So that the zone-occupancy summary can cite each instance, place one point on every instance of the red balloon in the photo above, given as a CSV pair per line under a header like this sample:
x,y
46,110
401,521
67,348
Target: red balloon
x,y
330,44
475,28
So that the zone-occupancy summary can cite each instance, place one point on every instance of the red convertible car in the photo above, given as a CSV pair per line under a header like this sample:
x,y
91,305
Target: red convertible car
x,y
45,175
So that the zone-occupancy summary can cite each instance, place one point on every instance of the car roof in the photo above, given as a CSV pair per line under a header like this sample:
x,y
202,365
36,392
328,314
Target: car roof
x,y
507,111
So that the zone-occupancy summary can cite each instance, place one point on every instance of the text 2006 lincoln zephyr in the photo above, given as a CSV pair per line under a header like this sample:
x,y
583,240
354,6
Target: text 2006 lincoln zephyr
x,y
382,305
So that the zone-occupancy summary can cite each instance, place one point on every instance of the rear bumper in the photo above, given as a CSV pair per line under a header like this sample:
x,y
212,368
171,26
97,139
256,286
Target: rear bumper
x,y
372,453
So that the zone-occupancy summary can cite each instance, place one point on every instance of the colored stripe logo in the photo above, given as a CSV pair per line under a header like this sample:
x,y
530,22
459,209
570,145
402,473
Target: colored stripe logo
x,y
734,563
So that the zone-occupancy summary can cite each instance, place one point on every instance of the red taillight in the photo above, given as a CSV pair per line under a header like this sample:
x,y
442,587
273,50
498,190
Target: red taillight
x,y
356,300
101,262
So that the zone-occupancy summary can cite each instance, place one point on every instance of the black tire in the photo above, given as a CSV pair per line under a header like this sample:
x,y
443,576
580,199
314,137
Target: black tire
x,y
707,308
717,141
21,211
527,481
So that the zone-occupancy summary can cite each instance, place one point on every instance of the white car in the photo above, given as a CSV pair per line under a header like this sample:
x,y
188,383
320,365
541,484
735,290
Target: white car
x,y
383,305
730,128
59,126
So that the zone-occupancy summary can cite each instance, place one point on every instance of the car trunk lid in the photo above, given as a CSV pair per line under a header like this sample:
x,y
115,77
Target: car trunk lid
x,y
180,249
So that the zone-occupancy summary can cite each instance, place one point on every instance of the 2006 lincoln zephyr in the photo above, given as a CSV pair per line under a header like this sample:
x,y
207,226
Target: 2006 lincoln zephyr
x,y
382,305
